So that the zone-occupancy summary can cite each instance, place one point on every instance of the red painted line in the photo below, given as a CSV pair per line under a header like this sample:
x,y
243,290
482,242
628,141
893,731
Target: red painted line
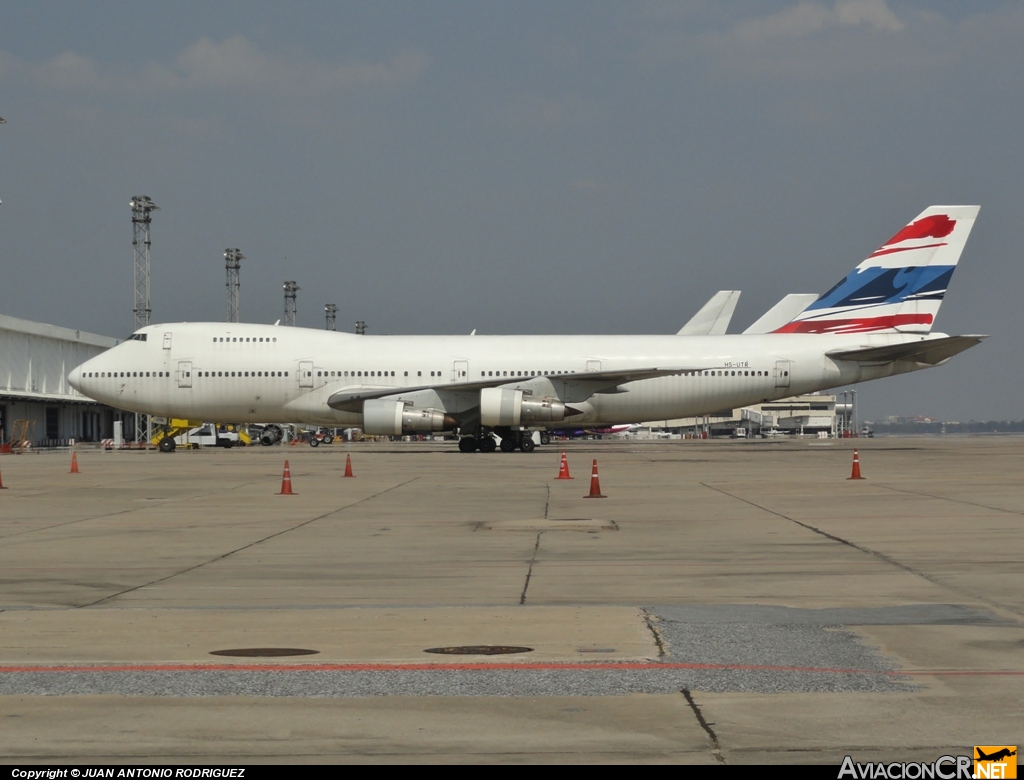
x,y
881,252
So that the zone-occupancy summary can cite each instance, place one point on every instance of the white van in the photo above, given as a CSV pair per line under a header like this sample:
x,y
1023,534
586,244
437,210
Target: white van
x,y
207,436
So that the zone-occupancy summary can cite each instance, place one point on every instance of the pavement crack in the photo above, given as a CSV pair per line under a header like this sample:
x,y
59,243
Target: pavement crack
x,y
529,571
650,619
867,551
951,500
716,749
130,510
547,502
267,538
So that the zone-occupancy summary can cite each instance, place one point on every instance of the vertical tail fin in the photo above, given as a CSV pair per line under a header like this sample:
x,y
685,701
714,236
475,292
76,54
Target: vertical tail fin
x,y
713,318
899,288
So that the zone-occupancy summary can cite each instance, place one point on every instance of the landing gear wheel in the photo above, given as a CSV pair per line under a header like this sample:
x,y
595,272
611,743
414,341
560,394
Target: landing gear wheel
x,y
467,444
508,444
166,444
314,441
527,445
487,444
545,438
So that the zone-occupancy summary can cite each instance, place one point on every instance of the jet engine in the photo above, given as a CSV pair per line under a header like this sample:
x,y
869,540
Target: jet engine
x,y
501,406
393,418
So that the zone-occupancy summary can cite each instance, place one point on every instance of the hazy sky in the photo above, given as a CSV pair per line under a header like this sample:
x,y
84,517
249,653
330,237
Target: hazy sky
x,y
530,167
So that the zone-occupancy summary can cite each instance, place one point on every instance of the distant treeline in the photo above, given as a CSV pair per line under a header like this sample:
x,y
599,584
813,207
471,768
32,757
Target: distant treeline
x,y
974,426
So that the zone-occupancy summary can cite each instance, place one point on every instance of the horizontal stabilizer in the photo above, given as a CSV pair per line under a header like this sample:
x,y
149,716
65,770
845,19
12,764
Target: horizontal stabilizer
x,y
930,351
713,318
782,312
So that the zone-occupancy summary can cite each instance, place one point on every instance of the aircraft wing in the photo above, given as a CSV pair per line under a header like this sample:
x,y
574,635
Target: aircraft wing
x,y
930,351
714,316
350,399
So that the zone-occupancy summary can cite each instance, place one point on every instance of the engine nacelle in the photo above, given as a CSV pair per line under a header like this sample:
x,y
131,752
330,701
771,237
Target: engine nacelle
x,y
500,406
393,418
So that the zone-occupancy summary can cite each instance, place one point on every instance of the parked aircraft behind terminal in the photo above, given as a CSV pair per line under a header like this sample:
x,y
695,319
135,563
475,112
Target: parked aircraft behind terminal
x,y
876,322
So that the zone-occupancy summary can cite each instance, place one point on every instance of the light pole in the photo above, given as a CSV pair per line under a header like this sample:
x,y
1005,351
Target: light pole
x,y
853,410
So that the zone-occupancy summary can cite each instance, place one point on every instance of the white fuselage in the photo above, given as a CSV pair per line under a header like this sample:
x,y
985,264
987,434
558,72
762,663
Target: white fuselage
x,y
232,372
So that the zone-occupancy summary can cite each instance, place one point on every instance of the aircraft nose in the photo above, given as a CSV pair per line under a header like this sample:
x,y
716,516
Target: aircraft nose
x,y
75,378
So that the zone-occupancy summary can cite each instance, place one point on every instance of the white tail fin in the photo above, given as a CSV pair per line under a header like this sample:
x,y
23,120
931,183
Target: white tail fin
x,y
900,287
782,312
714,316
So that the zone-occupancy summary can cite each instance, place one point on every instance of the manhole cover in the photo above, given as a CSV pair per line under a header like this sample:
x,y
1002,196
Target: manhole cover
x,y
479,650
264,652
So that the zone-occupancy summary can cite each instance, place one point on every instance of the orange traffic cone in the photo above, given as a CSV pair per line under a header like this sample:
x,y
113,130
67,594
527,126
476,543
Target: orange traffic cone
x,y
595,484
295,442
563,468
74,463
856,467
2,482
348,466
286,483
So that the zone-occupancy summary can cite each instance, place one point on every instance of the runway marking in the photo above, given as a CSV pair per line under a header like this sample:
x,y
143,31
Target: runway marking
x,y
867,551
245,546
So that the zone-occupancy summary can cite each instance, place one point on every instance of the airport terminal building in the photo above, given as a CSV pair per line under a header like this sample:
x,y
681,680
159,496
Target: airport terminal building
x,y
36,402
817,414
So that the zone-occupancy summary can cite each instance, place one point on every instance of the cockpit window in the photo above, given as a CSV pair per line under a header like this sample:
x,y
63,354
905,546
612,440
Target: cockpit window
x,y
137,337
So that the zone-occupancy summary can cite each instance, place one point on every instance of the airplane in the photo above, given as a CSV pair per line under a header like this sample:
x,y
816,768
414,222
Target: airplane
x,y
1004,753
875,322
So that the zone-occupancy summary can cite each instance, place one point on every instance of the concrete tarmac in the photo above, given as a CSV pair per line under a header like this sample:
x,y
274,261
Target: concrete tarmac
x,y
729,602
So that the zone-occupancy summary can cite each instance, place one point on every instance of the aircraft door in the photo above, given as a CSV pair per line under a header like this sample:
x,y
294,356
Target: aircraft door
x,y
783,369
305,373
460,371
167,341
184,373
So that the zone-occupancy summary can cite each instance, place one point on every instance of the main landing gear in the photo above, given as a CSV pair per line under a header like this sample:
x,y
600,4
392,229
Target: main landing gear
x,y
510,441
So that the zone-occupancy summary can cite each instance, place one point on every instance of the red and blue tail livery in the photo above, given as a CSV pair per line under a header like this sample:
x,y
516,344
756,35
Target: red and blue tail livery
x,y
899,288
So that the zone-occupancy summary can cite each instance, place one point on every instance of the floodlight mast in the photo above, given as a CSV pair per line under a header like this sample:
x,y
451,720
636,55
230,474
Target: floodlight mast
x,y
331,312
290,288
142,209
233,262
